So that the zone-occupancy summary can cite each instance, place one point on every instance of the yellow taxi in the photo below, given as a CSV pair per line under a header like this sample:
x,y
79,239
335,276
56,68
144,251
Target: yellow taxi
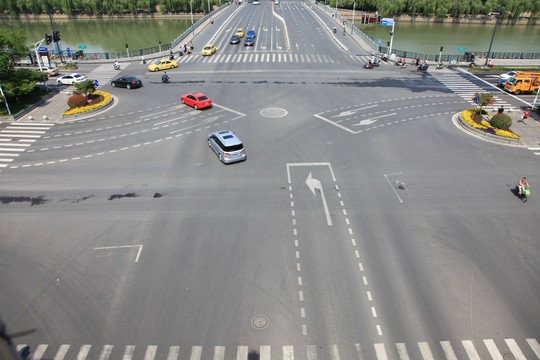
x,y
239,32
163,64
208,50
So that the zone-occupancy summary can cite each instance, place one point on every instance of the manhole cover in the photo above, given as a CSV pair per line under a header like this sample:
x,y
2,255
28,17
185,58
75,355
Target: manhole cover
x,y
273,113
259,322
509,356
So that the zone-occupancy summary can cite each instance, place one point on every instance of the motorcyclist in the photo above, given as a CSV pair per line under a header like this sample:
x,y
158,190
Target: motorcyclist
x,y
116,65
335,29
522,185
165,78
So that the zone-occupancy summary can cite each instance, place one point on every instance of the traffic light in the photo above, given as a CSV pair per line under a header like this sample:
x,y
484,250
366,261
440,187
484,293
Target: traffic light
x,y
441,48
379,19
56,35
367,19
48,39
388,43
363,19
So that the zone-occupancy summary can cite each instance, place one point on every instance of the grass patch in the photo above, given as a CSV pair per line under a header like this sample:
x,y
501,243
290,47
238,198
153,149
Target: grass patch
x,y
26,101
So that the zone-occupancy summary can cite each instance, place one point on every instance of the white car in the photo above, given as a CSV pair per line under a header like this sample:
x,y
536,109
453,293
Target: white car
x,y
71,79
503,77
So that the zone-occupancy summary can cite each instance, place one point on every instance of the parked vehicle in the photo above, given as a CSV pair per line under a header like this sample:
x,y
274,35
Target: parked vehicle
x,y
523,83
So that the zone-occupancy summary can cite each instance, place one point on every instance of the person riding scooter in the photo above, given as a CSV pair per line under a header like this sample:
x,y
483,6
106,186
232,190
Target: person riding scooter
x,y
165,78
116,65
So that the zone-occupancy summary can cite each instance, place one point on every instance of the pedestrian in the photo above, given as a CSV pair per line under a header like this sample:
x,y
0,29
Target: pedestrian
x,y
500,110
525,116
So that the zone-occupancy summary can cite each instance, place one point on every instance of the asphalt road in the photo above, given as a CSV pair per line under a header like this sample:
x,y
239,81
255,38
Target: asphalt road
x,y
363,225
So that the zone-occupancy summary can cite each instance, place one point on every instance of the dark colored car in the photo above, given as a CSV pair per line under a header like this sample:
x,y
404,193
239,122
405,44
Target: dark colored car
x,y
249,41
129,82
235,39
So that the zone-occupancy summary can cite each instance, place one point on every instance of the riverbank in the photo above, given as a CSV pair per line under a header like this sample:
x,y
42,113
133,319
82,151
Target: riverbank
x,y
466,19
65,17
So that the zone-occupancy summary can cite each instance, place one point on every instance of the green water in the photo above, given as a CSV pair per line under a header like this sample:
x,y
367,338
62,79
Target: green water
x,y
112,35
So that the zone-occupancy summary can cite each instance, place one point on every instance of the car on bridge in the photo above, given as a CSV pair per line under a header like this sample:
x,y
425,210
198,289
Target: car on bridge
x,y
208,50
163,64
249,41
239,32
235,39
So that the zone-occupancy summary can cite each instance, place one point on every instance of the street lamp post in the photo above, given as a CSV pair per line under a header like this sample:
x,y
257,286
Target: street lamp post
x,y
492,36
57,48
353,8
191,10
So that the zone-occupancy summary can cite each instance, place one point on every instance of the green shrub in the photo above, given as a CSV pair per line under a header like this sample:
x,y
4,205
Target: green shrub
x,y
77,100
501,121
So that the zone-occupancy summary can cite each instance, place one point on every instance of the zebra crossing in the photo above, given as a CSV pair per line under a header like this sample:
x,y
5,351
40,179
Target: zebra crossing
x,y
16,137
106,72
276,57
465,88
507,349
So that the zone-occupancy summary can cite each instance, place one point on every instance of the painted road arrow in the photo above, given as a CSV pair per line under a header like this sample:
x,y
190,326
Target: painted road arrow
x,y
313,184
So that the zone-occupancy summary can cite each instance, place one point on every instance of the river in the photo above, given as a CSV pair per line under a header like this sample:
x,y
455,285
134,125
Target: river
x,y
113,34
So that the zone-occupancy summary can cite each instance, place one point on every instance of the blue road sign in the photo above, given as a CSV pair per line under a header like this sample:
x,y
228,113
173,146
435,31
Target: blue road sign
x,y
379,41
42,48
68,50
387,22
461,48
96,83
477,99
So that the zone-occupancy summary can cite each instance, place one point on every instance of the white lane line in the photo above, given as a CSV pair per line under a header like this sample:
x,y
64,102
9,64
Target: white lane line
x,y
128,352
242,353
151,351
173,353
533,343
514,348
288,353
448,351
470,349
83,352
196,352
105,352
402,351
61,353
380,351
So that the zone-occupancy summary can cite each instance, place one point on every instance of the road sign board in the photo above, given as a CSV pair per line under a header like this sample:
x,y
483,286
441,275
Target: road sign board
x,y
42,48
68,50
379,41
461,48
387,22
96,83
82,46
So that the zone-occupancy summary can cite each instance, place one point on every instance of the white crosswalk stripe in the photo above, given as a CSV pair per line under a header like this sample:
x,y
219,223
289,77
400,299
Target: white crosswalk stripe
x,y
466,89
379,351
250,57
16,138
106,72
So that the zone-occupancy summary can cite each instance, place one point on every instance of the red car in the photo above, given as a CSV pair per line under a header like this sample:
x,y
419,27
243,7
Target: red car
x,y
198,100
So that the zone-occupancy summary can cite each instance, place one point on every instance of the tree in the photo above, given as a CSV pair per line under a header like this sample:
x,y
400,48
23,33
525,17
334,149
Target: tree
x,y
12,48
18,83
86,87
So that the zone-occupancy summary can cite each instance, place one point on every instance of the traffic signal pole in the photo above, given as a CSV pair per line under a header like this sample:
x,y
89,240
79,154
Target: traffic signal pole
x,y
391,39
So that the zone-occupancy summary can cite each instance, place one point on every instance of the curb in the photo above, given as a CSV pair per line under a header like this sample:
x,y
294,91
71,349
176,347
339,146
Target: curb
x,y
99,110
482,135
